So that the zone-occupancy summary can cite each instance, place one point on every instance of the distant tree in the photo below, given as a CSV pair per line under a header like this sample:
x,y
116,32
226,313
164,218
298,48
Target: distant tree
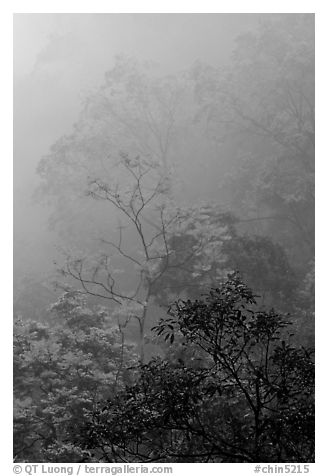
x,y
265,266
206,230
135,110
262,104
261,262
249,398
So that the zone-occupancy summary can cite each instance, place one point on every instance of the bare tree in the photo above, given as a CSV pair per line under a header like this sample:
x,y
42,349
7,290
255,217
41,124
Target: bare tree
x,y
146,218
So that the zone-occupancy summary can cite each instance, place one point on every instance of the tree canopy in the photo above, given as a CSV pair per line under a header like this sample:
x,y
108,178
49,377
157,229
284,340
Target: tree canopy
x,y
247,397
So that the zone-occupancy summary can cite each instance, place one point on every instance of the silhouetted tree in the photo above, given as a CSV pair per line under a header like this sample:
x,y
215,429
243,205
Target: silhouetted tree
x,y
249,397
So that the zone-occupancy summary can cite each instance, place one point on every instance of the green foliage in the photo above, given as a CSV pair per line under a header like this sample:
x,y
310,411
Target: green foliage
x,y
249,399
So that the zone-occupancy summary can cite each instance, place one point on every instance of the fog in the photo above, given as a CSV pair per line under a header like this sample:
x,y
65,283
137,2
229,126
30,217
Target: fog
x,y
59,59
60,67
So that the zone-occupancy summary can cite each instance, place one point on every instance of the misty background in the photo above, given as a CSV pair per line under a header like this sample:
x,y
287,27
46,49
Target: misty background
x,y
88,87
58,60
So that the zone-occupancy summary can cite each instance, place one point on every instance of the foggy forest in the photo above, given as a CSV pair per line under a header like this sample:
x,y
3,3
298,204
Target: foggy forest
x,y
164,238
